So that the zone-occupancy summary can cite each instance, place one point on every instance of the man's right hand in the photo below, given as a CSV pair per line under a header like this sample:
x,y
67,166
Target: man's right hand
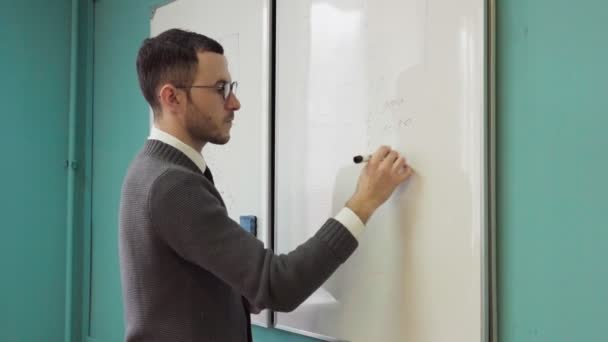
x,y
379,178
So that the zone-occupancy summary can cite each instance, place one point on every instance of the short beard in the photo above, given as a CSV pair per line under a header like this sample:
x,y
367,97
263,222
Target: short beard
x,y
198,124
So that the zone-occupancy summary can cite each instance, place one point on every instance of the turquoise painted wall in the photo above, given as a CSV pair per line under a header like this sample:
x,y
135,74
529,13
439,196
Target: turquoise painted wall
x,y
552,169
34,92
120,126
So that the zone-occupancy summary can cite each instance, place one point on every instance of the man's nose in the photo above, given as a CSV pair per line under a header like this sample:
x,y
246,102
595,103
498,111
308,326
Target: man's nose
x,y
233,102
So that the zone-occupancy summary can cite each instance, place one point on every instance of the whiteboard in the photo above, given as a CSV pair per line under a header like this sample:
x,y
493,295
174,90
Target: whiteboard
x,y
241,167
353,75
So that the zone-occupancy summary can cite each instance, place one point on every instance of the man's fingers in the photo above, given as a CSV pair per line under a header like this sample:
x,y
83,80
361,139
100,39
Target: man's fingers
x,y
392,157
389,160
399,164
406,173
379,155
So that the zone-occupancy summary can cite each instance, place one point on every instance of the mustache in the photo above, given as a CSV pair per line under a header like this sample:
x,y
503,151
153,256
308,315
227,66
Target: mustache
x,y
230,116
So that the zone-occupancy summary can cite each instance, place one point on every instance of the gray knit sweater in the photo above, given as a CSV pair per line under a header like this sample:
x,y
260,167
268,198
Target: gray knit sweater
x,y
186,266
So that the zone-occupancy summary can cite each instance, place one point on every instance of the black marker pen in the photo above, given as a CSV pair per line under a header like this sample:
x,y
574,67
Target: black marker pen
x,y
361,159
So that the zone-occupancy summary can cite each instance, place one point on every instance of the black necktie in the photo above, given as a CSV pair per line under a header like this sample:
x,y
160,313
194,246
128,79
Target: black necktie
x,y
208,174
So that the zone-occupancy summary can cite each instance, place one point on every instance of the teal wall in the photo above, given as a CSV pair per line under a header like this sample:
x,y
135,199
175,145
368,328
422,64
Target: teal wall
x,y
120,126
34,92
552,95
552,169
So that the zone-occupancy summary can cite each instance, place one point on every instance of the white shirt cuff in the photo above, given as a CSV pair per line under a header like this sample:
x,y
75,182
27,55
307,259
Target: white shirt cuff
x,y
351,221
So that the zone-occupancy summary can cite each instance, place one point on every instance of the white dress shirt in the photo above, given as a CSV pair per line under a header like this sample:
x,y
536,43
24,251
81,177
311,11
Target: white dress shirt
x,y
346,216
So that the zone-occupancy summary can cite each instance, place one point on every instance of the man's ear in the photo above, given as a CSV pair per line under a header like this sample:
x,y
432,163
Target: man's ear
x,y
170,97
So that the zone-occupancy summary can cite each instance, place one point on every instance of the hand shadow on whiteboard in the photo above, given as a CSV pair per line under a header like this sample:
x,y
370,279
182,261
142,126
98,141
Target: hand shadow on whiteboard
x,y
369,285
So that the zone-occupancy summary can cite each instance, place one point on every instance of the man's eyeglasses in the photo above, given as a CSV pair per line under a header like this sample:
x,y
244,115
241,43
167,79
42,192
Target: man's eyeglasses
x,y
225,88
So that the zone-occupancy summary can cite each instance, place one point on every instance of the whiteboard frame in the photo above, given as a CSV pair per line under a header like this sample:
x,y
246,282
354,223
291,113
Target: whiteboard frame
x,y
491,288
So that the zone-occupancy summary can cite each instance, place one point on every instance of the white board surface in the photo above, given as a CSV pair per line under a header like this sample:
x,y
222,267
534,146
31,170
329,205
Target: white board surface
x,y
353,75
241,167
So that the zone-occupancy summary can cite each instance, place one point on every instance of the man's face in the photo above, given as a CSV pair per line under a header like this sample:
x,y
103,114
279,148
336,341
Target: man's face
x,y
208,115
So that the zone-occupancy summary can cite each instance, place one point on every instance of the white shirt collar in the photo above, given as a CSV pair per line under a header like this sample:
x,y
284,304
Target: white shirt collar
x,y
196,157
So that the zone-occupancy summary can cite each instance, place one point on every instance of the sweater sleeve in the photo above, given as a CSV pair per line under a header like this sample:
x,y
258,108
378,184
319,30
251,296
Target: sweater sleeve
x,y
192,221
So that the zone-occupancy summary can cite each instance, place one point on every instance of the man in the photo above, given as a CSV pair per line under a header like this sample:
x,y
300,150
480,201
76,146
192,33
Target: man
x,y
190,273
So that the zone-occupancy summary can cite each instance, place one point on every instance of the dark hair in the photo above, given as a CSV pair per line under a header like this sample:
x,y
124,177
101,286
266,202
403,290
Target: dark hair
x,y
170,57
